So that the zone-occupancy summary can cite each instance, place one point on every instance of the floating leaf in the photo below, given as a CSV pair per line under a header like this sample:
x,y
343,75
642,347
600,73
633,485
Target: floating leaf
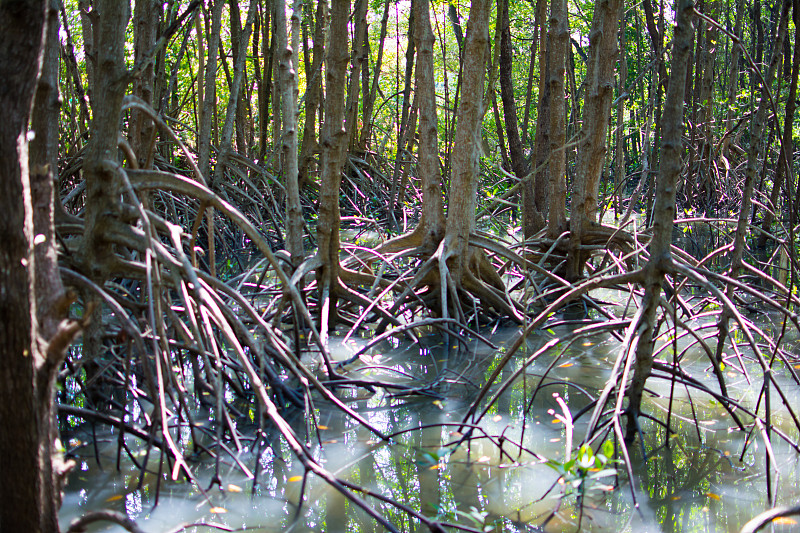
x,y
675,498
555,421
484,459
218,510
713,496
784,520
295,479
115,498
497,418
322,427
566,365
437,466
234,488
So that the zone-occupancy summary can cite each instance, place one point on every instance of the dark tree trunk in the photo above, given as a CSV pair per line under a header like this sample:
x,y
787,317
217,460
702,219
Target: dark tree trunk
x,y
28,495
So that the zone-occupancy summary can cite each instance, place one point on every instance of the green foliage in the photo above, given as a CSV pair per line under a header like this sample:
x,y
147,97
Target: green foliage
x,y
584,471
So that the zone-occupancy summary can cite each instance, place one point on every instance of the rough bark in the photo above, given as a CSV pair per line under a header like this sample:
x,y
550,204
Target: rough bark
x,y
535,191
663,214
518,161
596,115
432,222
27,497
209,82
788,126
288,85
461,205
558,40
145,27
313,95
334,145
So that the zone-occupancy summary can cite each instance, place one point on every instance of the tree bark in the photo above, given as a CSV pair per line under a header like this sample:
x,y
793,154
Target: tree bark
x,y
596,115
463,180
312,96
28,497
288,84
558,40
664,214
334,151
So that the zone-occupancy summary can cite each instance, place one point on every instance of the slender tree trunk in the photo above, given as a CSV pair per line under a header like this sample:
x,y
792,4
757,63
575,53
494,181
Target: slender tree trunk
x,y
518,161
145,27
558,40
359,57
619,155
788,126
288,84
209,102
596,116
369,99
432,223
664,214
535,192
334,152
312,96
463,180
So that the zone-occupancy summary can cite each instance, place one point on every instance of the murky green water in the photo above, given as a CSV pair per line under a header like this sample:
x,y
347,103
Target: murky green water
x,y
699,483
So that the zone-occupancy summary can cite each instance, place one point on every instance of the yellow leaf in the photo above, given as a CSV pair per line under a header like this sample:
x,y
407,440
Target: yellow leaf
x,y
115,498
588,344
294,479
565,365
675,498
218,510
784,520
435,467
713,496
557,439
322,427
556,421
234,488
484,459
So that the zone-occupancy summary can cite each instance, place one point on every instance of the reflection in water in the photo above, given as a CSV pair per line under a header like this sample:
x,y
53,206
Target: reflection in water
x,y
698,484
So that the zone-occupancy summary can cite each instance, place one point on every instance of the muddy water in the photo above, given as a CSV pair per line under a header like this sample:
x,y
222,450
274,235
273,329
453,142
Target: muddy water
x,y
700,483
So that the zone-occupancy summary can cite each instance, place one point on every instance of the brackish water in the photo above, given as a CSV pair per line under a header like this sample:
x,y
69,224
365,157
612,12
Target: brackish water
x,y
702,482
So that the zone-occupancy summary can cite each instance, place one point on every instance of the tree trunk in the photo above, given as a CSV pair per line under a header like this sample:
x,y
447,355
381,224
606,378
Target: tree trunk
x,y
288,84
558,40
28,495
786,145
312,97
334,147
535,191
518,160
596,115
664,214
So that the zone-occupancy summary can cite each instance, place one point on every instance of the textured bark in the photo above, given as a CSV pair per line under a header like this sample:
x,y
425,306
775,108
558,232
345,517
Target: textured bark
x,y
209,82
619,154
334,147
359,57
558,40
288,85
463,180
733,77
369,98
755,156
432,222
518,161
596,115
788,126
145,27
313,95
663,214
27,500
535,191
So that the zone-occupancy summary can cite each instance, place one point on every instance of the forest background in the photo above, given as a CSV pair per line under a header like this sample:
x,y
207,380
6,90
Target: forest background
x,y
200,197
